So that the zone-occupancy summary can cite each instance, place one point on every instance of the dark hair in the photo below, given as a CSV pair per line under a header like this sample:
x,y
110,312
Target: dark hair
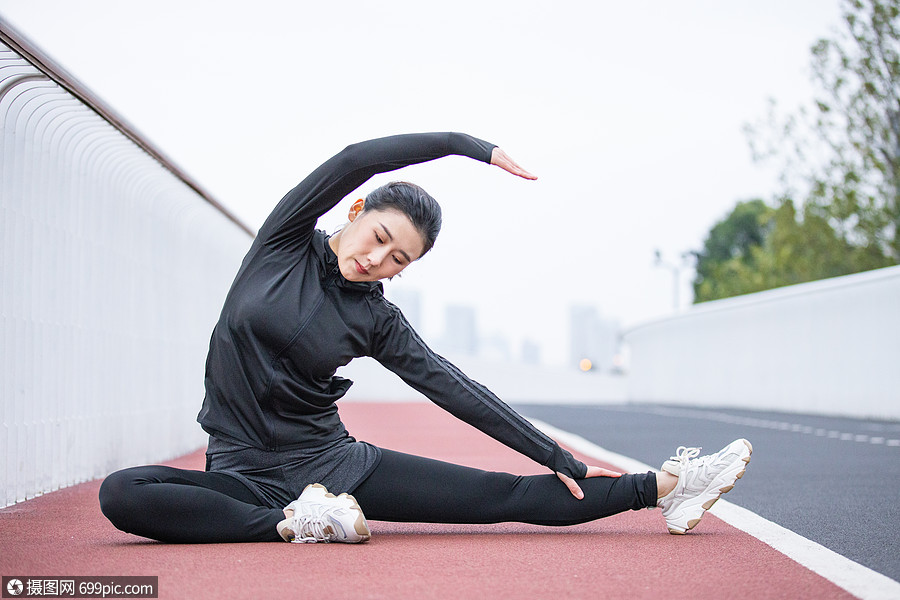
x,y
412,201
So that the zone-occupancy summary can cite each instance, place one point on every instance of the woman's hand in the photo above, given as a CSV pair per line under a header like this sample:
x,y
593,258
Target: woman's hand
x,y
591,472
502,160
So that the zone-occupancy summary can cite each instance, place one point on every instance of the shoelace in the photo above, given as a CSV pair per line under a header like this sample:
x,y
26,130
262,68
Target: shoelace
x,y
684,454
309,527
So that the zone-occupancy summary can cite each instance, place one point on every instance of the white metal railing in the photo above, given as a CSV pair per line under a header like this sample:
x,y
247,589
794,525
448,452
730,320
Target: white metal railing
x,y
113,268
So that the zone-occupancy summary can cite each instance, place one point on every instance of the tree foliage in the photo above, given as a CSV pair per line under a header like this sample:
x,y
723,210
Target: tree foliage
x,y
858,120
729,256
757,247
841,157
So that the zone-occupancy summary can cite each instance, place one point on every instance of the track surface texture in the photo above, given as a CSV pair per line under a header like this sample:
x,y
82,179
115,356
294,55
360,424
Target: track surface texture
x,y
832,480
625,556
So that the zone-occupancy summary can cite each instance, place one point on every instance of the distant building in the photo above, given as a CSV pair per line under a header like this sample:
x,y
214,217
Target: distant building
x,y
531,352
410,303
594,341
461,335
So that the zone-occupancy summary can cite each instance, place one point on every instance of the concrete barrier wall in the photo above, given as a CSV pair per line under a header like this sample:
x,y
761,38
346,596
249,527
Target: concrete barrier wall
x,y
511,382
828,347
112,273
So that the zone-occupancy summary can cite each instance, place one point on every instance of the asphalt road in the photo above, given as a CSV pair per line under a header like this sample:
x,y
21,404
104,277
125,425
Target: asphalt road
x,y
835,481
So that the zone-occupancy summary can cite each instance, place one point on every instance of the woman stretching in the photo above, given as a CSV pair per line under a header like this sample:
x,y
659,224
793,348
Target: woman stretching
x,y
303,304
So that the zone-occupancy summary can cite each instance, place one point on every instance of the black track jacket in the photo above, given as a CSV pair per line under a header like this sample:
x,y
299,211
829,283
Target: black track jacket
x,y
291,319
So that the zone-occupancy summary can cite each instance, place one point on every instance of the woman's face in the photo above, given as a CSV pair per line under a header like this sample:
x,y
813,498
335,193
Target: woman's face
x,y
377,244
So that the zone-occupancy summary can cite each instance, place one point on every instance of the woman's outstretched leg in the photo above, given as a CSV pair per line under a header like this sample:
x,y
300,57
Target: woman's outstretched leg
x,y
414,489
177,505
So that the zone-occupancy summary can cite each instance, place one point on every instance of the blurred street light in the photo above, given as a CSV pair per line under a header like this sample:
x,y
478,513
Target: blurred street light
x,y
676,274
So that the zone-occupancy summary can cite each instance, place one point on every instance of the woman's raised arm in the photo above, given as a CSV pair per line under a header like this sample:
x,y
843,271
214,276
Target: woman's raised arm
x,y
291,224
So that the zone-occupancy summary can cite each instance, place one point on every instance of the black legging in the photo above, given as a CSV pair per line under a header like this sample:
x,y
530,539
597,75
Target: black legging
x,y
176,505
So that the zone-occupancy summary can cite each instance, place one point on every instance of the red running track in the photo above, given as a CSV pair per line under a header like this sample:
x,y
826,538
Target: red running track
x,y
630,555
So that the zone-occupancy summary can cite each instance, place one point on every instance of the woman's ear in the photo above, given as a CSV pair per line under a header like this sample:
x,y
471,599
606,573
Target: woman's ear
x,y
356,209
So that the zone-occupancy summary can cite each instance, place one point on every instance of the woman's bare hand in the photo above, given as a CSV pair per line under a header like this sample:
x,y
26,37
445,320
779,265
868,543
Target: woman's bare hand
x,y
591,472
502,160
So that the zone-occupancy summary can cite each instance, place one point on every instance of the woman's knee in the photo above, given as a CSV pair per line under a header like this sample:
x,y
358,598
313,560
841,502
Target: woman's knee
x,y
117,494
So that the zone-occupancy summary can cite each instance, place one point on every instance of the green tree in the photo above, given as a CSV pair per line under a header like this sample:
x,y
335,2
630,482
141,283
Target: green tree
x,y
859,120
843,155
841,158
728,256
757,247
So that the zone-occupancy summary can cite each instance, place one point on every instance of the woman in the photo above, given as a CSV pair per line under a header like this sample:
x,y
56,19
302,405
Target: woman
x,y
303,304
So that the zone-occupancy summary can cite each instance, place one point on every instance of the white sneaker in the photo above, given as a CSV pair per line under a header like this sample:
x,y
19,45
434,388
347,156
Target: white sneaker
x,y
320,516
700,482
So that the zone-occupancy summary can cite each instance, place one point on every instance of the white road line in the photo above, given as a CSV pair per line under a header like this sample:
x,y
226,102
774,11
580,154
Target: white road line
x,y
853,577
711,415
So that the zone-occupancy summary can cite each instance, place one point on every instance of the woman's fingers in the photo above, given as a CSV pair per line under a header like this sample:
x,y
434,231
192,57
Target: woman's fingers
x,y
591,472
502,160
601,472
571,484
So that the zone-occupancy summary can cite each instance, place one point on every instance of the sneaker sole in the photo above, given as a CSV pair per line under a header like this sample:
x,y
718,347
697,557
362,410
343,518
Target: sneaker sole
x,y
709,503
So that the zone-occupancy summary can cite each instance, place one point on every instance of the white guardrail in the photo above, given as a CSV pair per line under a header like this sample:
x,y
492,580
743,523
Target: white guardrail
x,y
829,347
113,269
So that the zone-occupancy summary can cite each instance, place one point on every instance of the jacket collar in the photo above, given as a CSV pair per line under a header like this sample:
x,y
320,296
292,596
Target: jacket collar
x,y
328,266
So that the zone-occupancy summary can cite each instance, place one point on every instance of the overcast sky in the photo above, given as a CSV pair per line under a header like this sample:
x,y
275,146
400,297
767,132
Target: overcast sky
x,y
629,113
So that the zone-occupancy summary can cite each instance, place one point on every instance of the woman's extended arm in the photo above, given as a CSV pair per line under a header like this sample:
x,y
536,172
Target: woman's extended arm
x,y
400,349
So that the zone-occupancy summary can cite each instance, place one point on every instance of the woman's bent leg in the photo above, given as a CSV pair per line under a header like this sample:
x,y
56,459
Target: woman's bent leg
x,y
414,489
177,505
